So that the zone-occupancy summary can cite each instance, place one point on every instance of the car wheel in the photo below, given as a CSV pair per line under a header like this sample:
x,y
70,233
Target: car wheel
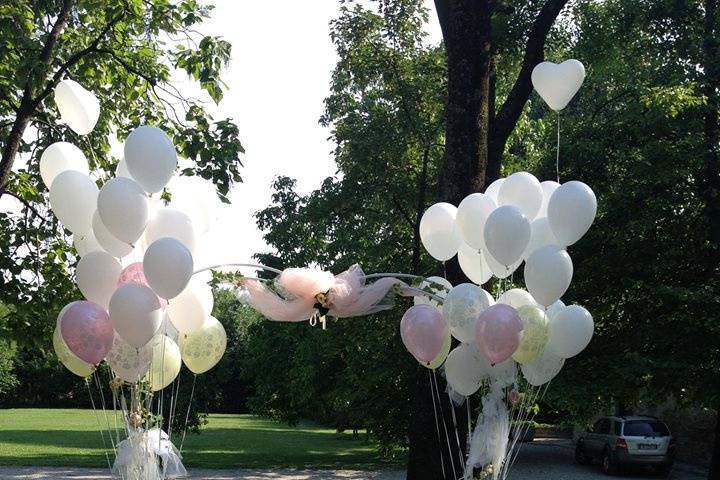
x,y
580,456
609,467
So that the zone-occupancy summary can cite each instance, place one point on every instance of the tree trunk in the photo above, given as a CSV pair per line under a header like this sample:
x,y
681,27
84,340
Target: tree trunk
x,y
28,104
475,137
714,473
465,27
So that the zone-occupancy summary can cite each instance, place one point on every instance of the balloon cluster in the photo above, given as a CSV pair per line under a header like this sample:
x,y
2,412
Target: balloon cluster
x,y
144,313
517,219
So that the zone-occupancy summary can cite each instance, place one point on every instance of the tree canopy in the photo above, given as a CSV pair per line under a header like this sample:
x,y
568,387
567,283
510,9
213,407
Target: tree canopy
x,y
129,53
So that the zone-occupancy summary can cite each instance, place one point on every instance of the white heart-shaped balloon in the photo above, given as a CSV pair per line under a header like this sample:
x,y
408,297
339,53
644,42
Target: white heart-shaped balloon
x,y
558,84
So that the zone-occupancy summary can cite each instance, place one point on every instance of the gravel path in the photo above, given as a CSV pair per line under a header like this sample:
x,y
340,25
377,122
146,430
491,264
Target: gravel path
x,y
537,461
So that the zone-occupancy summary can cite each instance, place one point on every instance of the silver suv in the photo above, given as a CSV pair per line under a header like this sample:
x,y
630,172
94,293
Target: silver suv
x,y
618,441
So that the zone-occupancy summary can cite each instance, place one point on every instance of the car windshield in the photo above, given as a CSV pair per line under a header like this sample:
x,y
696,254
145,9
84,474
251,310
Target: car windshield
x,y
645,428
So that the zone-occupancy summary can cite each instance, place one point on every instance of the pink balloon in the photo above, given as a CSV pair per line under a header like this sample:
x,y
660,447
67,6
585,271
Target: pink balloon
x,y
134,273
498,332
423,330
86,329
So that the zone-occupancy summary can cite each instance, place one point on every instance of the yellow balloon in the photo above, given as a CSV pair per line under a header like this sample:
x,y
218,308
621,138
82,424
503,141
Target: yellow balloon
x,y
166,362
535,334
79,367
203,349
440,359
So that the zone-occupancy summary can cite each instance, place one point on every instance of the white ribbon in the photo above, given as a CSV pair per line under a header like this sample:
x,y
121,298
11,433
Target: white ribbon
x,y
148,455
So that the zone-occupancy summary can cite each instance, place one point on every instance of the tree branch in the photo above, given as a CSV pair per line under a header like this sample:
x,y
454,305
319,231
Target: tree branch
x,y
75,58
27,204
508,115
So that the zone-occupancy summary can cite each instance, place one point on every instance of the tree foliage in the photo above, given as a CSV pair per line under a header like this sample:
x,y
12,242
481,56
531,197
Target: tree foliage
x,y
645,270
130,54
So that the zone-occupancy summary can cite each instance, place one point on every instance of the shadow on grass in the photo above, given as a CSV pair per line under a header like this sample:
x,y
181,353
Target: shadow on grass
x,y
213,448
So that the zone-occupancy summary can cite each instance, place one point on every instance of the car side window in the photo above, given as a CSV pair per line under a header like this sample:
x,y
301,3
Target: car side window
x,y
617,428
602,426
596,427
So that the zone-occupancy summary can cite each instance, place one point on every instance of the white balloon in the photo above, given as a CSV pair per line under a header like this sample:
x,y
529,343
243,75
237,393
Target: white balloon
x,y
548,187
493,189
121,169
558,84
73,196
471,216
60,157
168,266
97,275
464,369
522,190
437,286
516,298
490,299
439,232
507,233
197,198
497,268
189,310
543,368
463,305
107,240
172,223
165,364
570,331
473,264
540,235
503,373
135,313
150,156
86,243
554,309
129,363
123,208
79,108
548,272
571,211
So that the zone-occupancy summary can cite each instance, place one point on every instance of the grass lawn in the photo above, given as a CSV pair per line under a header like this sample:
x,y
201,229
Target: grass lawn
x,y
45,437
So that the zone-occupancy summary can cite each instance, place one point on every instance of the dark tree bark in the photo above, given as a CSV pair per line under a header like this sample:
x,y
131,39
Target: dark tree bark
x,y
28,104
714,473
476,133
37,88
709,183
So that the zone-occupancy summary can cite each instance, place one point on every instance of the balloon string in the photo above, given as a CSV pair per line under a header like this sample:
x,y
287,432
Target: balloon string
x,y
98,382
187,415
437,424
557,149
457,436
173,405
447,436
97,419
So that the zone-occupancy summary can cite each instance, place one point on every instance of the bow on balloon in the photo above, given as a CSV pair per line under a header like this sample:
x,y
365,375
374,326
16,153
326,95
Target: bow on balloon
x,y
300,294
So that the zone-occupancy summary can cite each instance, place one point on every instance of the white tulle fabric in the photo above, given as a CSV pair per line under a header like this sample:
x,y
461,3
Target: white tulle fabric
x,y
490,438
148,455
346,296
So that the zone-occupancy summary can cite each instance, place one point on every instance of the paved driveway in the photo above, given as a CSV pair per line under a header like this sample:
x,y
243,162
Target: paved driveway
x,y
537,461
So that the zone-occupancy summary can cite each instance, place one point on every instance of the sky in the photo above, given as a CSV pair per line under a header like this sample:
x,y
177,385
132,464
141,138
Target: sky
x,y
279,75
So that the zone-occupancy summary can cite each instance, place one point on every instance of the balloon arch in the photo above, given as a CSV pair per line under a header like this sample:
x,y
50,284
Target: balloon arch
x,y
147,305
